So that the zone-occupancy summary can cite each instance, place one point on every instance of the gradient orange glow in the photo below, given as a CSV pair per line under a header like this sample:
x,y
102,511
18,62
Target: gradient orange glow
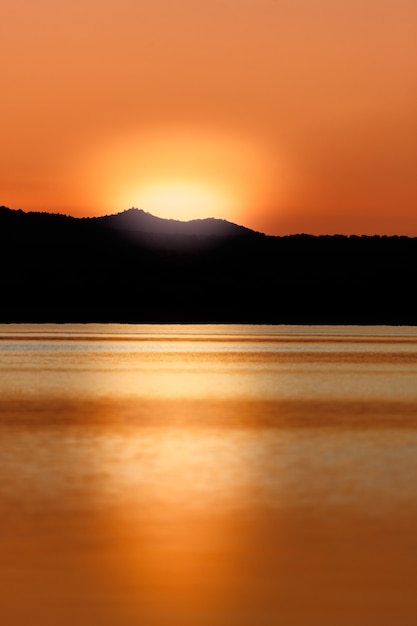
x,y
183,173
285,116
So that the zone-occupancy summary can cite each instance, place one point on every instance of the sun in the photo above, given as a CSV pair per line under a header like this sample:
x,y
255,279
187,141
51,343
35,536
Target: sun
x,y
182,173
181,198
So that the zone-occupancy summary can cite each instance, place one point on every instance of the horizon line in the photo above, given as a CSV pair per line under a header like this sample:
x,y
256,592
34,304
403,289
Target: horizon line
x,y
198,219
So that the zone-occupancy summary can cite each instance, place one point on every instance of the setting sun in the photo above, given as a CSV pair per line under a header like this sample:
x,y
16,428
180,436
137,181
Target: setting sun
x,y
181,173
181,199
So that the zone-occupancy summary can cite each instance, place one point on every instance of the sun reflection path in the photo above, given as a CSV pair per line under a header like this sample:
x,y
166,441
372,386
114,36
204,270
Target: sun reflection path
x,y
255,487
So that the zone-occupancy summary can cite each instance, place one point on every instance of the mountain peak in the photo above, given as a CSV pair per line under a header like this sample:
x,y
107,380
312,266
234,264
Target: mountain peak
x,y
138,220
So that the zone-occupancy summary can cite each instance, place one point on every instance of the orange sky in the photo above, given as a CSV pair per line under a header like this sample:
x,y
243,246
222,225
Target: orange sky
x,y
283,115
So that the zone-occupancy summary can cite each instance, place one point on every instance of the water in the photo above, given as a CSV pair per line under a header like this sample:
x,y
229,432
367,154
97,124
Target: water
x,y
208,475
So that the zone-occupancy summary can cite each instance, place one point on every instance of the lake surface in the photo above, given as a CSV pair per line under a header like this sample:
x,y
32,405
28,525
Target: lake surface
x,y
208,475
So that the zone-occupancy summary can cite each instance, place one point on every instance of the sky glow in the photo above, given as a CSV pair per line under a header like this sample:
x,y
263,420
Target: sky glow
x,y
302,115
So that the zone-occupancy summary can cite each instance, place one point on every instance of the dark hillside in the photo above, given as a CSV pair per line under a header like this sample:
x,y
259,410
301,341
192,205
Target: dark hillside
x,y
59,268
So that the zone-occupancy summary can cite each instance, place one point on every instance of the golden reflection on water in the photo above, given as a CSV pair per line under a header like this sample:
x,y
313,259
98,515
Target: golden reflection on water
x,y
203,476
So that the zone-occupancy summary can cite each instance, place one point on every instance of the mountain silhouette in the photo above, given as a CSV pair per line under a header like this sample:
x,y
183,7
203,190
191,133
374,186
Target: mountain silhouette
x,y
135,267
137,220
